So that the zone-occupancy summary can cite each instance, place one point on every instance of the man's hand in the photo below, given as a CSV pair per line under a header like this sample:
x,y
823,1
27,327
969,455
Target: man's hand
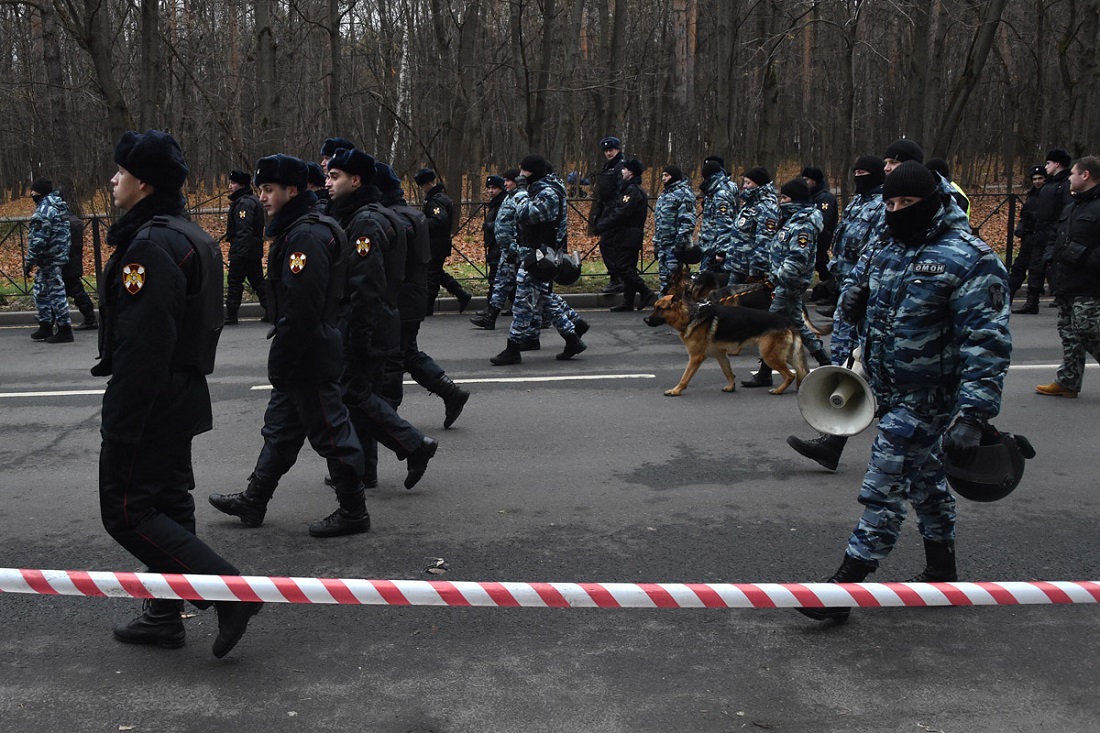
x,y
854,303
963,438
521,181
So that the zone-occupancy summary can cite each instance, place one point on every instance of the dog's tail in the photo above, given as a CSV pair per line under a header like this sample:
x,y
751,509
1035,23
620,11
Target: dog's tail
x,y
797,358
823,331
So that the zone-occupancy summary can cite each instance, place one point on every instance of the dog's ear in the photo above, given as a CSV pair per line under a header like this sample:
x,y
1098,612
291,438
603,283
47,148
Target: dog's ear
x,y
676,281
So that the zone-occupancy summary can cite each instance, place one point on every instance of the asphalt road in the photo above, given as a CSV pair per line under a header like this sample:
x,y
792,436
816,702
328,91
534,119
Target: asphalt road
x,y
600,479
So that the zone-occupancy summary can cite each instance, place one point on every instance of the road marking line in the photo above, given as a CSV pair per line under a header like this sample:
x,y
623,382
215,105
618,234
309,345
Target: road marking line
x,y
508,380
69,393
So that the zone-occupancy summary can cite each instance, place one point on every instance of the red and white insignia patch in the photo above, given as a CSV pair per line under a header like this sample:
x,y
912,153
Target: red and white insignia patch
x,y
362,246
133,278
297,262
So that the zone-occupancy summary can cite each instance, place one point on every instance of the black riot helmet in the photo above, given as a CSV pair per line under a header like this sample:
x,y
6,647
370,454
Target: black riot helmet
x,y
570,270
993,469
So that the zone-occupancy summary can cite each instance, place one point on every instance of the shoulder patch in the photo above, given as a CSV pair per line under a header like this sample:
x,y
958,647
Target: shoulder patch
x,y
362,246
436,211
133,278
723,209
626,198
741,222
824,205
803,239
242,214
930,268
297,262
771,224
997,296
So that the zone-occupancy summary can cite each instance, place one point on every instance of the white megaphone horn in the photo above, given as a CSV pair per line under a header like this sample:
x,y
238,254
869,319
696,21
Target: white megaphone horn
x,y
837,400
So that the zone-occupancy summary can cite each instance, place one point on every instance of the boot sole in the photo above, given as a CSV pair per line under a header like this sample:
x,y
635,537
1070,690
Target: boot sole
x,y
162,643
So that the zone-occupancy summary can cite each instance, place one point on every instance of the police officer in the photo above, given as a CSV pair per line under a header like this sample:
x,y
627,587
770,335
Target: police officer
x,y
412,303
315,183
72,275
439,209
504,238
245,233
825,202
1025,230
717,227
540,219
756,225
49,238
673,222
306,276
936,346
160,302
331,145
862,224
370,322
494,188
792,268
622,229
605,192
1054,197
1075,277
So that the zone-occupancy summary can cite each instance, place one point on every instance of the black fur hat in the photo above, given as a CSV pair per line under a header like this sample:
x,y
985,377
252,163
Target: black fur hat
x,y
332,144
240,177
153,157
1059,156
424,175
284,170
385,177
634,166
353,162
494,182
314,175
611,143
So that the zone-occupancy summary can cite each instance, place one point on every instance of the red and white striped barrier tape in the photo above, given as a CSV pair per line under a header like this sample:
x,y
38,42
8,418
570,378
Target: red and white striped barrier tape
x,y
542,595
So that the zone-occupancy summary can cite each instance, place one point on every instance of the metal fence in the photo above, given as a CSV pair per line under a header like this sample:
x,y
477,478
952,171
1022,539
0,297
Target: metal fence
x,y
993,217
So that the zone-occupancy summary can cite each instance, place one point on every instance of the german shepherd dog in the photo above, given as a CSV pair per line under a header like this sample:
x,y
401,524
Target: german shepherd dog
x,y
713,329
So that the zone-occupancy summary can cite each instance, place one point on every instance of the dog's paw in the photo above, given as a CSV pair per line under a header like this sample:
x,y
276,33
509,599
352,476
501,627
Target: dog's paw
x,y
672,392
730,388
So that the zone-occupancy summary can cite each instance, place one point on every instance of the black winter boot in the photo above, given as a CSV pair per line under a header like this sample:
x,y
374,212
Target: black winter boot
x,y
90,323
646,299
417,462
573,346
463,297
250,505
1030,306
820,357
825,449
350,518
454,399
627,306
510,355
939,566
852,570
45,329
159,625
486,320
233,618
63,335
530,345
762,377
581,326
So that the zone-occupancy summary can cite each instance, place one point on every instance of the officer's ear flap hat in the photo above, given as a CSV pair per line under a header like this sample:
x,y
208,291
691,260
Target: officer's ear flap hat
x,y
385,177
353,162
424,175
42,185
796,189
240,177
1037,170
710,167
610,143
634,166
494,182
283,170
758,175
1059,156
536,165
314,175
332,144
903,150
153,157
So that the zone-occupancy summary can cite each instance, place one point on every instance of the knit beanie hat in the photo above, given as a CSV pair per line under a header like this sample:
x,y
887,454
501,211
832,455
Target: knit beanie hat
x,y
284,170
710,168
42,185
758,175
872,164
353,162
153,157
536,165
939,165
796,189
903,150
909,179
814,174
715,159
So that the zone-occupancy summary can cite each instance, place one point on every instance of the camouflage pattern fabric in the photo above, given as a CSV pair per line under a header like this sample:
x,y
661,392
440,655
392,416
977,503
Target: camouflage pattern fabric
x,y
1079,329
673,225
719,215
753,234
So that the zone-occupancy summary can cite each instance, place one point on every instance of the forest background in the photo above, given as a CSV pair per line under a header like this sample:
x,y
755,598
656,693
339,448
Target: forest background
x,y
470,86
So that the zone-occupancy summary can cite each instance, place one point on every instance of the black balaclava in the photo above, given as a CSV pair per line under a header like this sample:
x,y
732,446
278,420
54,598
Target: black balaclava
x,y
908,225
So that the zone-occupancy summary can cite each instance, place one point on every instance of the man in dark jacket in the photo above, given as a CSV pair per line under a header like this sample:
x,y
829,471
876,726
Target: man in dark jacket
x,y
72,274
1075,277
160,301
1054,197
494,187
825,202
439,209
1025,230
306,276
604,196
622,230
244,231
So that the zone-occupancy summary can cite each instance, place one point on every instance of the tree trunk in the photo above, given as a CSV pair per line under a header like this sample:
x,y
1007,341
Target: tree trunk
x,y
918,69
58,145
682,127
269,137
335,77
152,66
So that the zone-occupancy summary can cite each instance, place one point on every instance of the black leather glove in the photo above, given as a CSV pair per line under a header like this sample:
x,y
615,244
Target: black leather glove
x,y
512,258
27,267
854,303
963,438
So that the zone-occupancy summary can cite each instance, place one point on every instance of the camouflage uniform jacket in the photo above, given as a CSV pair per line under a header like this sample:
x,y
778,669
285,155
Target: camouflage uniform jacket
x,y
49,233
935,336
795,246
674,216
541,203
863,222
505,227
719,214
756,228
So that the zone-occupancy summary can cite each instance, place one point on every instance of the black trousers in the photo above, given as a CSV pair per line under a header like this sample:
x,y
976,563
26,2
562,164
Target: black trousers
x,y
316,412
421,367
239,271
146,505
74,288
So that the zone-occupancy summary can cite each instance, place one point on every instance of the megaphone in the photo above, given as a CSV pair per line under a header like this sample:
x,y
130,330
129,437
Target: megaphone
x,y
836,400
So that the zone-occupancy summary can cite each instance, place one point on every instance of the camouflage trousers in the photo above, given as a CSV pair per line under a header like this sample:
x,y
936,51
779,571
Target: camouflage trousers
x,y
667,263
906,467
526,310
49,296
504,285
1079,329
561,314
788,303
